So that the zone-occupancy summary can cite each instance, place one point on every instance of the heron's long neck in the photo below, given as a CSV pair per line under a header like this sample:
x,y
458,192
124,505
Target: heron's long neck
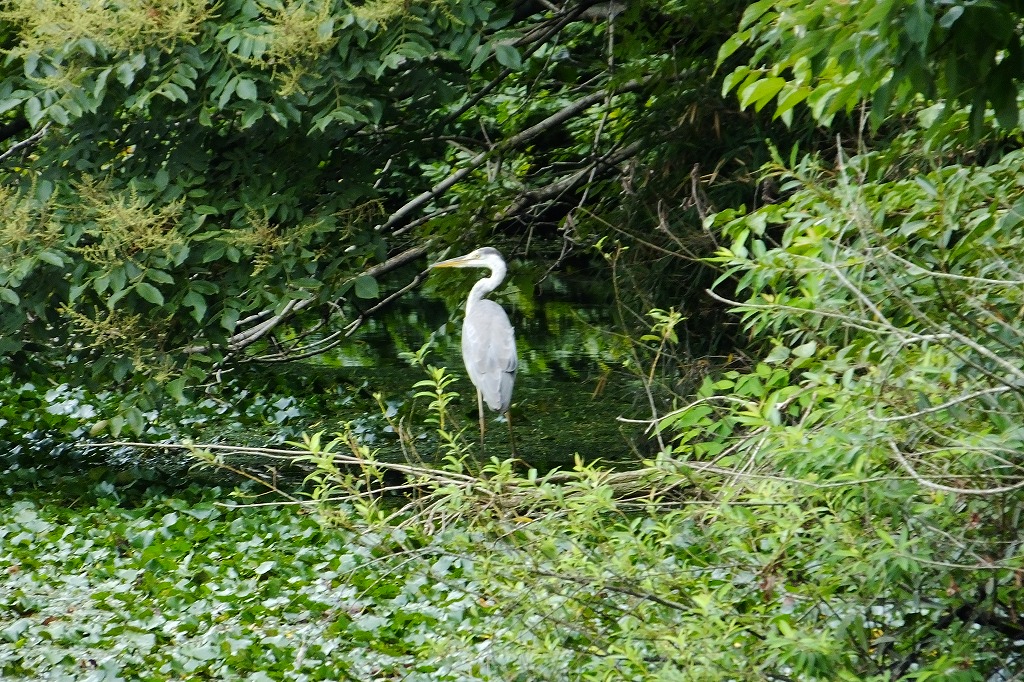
x,y
486,285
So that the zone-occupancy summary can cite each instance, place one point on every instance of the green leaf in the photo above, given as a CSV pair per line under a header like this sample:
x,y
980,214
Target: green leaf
x,y
789,97
761,91
252,113
8,103
325,29
125,74
116,423
118,277
174,92
161,179
51,258
159,276
806,350
101,82
31,62
58,114
175,389
754,12
33,110
149,293
1013,217
115,297
950,17
9,296
919,22
734,78
508,56
135,419
229,318
730,46
366,287
246,89
44,190
482,53
225,94
778,354
197,302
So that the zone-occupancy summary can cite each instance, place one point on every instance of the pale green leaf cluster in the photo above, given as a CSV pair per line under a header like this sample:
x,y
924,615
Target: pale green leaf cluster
x,y
834,56
888,295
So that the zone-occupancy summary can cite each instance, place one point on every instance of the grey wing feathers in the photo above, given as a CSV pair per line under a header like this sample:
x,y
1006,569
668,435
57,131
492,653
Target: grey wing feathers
x,y
489,351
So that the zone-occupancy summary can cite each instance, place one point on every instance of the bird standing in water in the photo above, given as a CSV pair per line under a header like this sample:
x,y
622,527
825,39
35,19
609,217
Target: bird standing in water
x,y
488,340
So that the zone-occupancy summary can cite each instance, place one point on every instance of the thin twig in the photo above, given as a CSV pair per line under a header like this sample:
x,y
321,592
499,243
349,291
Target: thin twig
x,y
946,488
943,406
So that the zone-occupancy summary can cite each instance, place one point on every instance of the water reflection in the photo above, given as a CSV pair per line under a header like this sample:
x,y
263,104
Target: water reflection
x,y
568,392
553,333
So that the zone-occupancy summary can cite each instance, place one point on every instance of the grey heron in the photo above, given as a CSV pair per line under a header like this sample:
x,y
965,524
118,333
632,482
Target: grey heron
x,y
488,340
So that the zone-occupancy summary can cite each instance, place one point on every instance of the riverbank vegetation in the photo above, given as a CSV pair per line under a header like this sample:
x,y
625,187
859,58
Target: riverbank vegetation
x,y
805,219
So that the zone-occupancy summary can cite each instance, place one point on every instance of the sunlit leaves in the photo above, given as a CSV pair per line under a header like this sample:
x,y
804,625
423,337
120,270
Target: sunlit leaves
x,y
886,52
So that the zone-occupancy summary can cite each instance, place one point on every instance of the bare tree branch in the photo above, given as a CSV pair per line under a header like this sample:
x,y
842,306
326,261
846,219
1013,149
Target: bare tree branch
x,y
938,408
27,142
909,468
247,337
533,131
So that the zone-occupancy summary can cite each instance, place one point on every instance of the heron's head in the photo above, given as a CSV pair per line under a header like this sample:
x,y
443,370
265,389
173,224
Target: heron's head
x,y
485,257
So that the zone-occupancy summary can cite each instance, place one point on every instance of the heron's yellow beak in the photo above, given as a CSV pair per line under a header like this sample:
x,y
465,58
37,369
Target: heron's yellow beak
x,y
457,262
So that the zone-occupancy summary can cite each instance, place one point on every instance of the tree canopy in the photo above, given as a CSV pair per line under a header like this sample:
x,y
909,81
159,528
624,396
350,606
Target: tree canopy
x,y
185,183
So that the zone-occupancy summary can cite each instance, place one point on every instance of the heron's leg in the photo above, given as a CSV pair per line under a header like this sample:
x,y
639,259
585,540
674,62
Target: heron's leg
x,y
511,436
480,407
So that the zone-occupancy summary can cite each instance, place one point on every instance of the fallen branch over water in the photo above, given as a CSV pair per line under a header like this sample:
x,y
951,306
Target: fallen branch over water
x,y
342,477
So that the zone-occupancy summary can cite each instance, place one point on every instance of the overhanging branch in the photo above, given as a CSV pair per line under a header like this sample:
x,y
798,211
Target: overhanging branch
x,y
266,324
27,142
552,121
570,182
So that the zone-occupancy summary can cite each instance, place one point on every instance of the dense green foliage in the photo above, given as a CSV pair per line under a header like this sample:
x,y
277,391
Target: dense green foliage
x,y
838,498
198,185
889,405
127,585
835,55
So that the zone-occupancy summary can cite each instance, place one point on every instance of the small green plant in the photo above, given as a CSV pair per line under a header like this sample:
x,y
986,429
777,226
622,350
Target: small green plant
x,y
454,447
435,389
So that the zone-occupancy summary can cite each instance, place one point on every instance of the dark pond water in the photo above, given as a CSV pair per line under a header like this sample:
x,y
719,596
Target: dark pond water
x,y
570,389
